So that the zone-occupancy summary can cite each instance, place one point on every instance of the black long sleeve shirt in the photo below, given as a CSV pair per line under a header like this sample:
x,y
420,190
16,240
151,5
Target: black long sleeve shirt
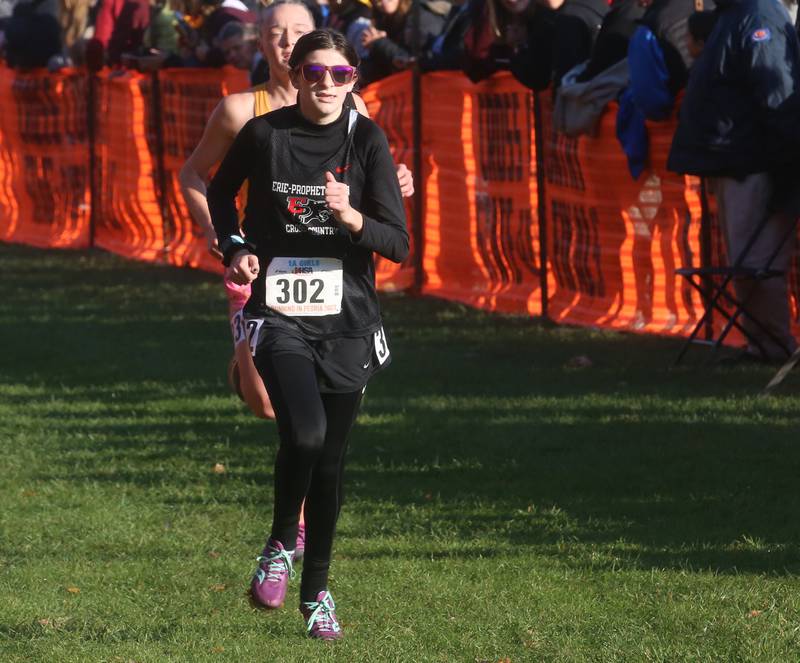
x,y
285,157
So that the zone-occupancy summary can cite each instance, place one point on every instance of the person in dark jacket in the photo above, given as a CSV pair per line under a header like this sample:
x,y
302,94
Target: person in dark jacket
x,y
659,61
739,127
577,25
33,36
611,45
700,26
560,36
351,18
481,37
390,42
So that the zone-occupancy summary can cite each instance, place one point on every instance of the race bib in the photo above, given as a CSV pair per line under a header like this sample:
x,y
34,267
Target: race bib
x,y
253,326
305,286
237,327
381,346
245,330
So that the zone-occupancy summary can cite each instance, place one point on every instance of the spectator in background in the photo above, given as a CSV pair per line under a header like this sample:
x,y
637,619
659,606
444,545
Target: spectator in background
x,y
700,27
738,127
351,18
390,41
239,45
659,60
33,35
162,33
74,19
587,89
120,27
577,24
218,13
611,45
320,11
560,37
481,37
668,23
192,49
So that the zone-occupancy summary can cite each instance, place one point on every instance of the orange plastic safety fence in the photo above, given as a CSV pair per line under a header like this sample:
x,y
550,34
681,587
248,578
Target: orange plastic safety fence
x,y
481,225
794,288
188,96
129,220
613,242
390,104
44,174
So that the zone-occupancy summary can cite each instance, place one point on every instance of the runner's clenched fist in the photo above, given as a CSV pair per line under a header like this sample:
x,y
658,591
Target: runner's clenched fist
x,y
337,197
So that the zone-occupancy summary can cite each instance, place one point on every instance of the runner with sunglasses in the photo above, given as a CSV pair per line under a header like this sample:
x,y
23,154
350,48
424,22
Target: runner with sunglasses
x,y
282,23
323,196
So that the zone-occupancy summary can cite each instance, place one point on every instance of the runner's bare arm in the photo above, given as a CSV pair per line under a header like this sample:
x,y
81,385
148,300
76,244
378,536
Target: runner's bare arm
x,y
404,175
226,120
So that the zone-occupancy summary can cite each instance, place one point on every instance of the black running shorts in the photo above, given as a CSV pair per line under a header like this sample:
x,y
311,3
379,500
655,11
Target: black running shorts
x,y
343,364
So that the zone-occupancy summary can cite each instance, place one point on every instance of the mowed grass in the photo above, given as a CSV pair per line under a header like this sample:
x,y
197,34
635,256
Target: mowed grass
x,y
501,505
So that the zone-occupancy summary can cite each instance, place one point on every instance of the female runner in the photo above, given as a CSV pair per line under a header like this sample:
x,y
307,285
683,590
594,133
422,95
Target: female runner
x,y
322,197
282,23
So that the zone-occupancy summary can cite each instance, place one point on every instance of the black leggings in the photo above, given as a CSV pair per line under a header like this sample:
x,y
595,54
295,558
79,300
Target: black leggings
x,y
313,430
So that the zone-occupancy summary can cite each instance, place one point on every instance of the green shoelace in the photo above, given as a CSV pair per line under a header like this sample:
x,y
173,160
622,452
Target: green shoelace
x,y
278,563
322,611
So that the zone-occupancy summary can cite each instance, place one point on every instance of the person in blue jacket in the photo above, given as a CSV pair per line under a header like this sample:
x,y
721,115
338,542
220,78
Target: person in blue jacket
x,y
739,127
659,61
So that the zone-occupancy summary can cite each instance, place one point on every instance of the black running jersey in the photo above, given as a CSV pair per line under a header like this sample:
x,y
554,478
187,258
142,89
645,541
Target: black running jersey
x,y
315,277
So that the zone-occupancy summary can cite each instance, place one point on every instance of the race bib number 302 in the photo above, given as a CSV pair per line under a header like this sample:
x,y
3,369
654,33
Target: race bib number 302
x,y
305,286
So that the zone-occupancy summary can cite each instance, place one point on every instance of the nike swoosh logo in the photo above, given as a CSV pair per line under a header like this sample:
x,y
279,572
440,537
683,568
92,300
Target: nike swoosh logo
x,y
366,365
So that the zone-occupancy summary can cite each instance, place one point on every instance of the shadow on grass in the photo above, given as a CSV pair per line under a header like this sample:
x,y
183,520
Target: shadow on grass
x,y
478,431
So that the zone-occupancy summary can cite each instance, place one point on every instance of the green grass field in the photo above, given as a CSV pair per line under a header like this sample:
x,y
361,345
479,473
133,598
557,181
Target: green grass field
x,y
501,505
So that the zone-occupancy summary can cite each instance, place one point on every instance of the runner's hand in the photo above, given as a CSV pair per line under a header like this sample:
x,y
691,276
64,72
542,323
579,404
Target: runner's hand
x,y
337,197
243,268
406,181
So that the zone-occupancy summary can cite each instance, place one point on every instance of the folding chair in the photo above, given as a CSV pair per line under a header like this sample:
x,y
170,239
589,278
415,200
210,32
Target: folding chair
x,y
713,285
783,371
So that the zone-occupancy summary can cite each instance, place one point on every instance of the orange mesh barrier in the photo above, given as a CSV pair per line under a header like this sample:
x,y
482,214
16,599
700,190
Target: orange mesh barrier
x,y
794,288
481,227
187,98
129,220
44,174
613,242
390,104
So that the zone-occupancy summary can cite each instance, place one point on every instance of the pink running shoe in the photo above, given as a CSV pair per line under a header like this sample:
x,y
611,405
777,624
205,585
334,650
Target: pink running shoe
x,y
300,546
271,578
321,622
